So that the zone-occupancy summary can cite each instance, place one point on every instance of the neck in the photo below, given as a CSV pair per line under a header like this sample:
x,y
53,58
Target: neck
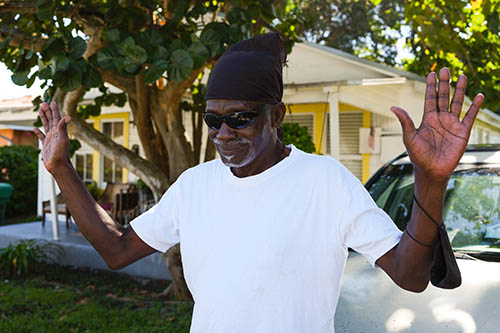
x,y
269,157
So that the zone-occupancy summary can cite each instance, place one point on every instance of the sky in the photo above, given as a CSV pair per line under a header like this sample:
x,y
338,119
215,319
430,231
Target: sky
x,y
9,90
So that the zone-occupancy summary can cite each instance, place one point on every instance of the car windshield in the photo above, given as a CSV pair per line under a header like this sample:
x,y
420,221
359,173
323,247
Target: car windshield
x,y
471,210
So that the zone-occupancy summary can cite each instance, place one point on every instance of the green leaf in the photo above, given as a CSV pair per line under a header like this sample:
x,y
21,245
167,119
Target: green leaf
x,y
111,35
45,9
31,80
60,63
106,58
155,71
176,44
130,66
181,66
134,53
5,42
77,47
71,79
154,37
128,42
269,11
375,2
29,54
211,39
74,145
159,53
92,78
52,48
45,74
199,53
20,78
44,15
237,15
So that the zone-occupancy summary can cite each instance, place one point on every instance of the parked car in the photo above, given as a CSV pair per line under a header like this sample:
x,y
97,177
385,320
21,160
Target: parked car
x,y
371,302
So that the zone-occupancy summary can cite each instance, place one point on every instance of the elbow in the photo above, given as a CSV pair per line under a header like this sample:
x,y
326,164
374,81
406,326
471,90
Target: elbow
x,y
116,263
414,284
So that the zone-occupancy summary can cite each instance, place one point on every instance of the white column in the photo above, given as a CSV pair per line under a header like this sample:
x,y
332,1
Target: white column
x,y
53,208
333,101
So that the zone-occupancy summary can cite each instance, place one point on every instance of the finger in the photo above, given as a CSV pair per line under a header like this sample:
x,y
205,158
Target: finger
x,y
458,96
48,114
63,125
39,134
471,114
444,90
56,116
430,94
407,124
43,117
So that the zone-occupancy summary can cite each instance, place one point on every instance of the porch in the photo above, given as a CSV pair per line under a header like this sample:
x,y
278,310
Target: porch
x,y
77,251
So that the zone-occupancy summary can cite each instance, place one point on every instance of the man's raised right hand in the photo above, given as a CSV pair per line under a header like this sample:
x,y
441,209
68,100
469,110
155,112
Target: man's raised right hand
x,y
55,141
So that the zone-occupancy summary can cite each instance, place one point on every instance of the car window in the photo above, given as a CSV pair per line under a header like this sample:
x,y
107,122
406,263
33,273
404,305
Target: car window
x,y
471,210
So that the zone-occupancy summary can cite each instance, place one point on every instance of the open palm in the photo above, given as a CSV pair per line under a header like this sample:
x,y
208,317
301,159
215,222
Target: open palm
x,y
55,141
436,146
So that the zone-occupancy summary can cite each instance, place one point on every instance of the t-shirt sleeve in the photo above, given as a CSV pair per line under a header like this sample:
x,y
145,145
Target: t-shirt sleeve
x,y
159,226
364,227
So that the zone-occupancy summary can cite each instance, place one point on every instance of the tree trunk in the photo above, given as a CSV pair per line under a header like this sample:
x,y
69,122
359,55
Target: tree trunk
x,y
209,150
178,288
79,128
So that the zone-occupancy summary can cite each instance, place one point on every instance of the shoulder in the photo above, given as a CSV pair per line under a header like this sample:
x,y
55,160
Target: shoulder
x,y
318,165
204,171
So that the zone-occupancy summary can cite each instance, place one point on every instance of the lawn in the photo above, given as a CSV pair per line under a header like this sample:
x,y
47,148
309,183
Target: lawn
x,y
63,299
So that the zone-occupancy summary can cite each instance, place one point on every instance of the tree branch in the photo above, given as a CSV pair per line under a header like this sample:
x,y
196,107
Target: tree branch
x,y
152,175
17,38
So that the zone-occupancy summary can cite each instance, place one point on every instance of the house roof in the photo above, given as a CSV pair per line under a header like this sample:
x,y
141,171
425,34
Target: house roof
x,y
19,103
382,68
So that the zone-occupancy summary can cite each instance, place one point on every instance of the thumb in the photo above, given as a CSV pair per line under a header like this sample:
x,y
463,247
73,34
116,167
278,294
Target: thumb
x,y
406,122
63,124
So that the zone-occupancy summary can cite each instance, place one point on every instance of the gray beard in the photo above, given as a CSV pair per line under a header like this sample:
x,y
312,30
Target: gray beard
x,y
226,159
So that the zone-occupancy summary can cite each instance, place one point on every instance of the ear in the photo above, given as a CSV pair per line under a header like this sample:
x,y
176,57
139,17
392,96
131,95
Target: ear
x,y
277,114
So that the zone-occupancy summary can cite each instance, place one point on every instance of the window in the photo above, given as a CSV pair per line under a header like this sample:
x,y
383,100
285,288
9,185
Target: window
x,y
112,173
84,163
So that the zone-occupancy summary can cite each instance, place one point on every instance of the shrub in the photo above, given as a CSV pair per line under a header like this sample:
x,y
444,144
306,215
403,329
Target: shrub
x,y
298,136
25,256
94,190
19,167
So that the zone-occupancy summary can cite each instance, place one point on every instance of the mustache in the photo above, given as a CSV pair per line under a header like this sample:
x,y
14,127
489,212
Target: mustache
x,y
236,141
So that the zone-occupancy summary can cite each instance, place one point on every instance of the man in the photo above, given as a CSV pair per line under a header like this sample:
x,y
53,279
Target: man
x,y
264,231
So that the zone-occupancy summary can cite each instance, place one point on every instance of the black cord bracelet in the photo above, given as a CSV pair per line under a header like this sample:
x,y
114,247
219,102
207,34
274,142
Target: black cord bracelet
x,y
439,225
419,242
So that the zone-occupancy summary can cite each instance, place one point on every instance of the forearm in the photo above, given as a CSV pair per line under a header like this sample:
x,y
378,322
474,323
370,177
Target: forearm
x,y
94,223
412,261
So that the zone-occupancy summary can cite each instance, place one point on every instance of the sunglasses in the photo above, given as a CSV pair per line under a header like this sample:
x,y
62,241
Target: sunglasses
x,y
235,120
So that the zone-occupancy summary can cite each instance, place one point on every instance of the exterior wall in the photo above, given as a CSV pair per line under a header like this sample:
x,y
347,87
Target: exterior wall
x,y
6,136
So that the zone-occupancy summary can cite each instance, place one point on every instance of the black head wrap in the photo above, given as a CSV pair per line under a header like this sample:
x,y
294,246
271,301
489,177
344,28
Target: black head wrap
x,y
251,70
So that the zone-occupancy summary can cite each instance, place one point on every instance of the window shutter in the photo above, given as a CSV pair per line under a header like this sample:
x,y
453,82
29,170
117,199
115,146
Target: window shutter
x,y
303,119
349,125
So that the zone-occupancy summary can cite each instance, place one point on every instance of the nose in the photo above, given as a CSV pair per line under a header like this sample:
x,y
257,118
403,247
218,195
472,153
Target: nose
x,y
225,132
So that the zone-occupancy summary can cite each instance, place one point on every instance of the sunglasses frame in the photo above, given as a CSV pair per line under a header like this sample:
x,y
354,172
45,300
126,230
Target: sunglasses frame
x,y
253,113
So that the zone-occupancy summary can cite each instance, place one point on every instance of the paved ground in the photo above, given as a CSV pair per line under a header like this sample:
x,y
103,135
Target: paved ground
x,y
76,249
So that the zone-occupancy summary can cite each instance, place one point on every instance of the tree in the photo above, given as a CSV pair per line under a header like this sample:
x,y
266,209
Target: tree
x,y
463,35
156,52
362,27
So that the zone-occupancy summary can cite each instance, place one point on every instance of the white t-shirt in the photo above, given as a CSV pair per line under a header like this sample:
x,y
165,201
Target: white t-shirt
x,y
266,253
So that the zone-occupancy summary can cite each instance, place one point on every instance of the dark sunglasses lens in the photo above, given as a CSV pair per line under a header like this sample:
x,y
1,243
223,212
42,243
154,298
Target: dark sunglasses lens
x,y
240,120
212,120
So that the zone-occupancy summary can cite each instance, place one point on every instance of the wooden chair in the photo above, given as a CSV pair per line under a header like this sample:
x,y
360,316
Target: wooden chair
x,y
60,207
108,198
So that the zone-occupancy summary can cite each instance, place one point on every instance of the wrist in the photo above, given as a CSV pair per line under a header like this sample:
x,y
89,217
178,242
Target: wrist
x,y
61,168
430,180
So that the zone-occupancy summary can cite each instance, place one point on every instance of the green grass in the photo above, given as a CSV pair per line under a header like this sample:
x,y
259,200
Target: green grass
x,y
62,299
